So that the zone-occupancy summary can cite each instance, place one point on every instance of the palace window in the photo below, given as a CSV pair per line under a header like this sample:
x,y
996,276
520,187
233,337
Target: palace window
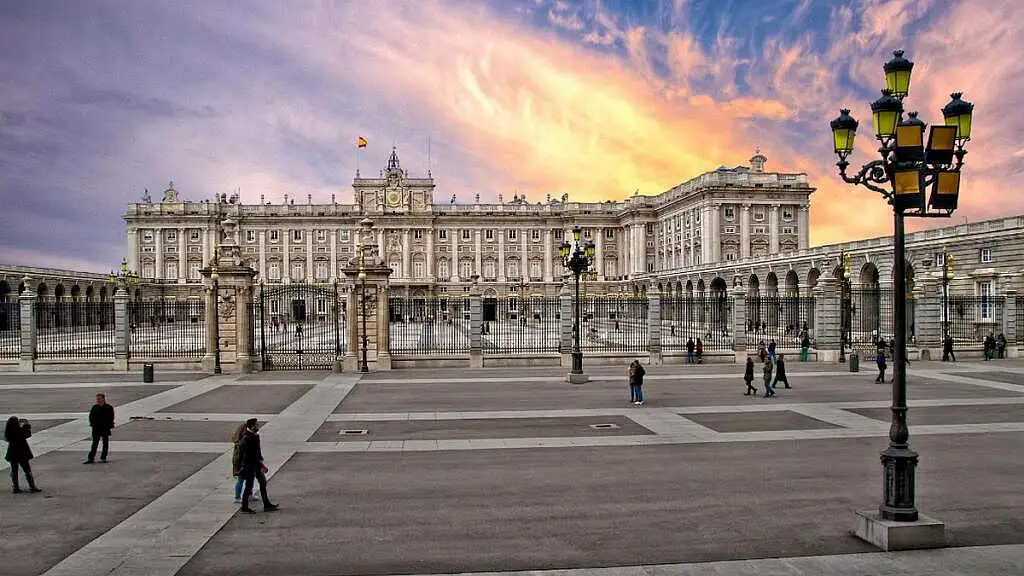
x,y
442,234
172,236
730,213
298,272
787,229
730,256
171,270
343,237
535,235
512,234
940,258
296,235
418,270
147,235
587,233
442,270
275,236
417,234
760,230
194,235
193,271
275,306
512,269
465,234
323,271
250,235
730,229
759,216
558,234
609,233
986,255
465,269
489,234
321,306
321,236
787,214
987,293
148,271
650,228
274,271
536,270
489,270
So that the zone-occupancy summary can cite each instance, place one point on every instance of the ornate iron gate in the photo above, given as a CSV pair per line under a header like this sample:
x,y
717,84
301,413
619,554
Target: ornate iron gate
x,y
299,327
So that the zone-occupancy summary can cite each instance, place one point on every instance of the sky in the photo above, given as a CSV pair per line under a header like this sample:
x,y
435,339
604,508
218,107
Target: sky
x,y
104,99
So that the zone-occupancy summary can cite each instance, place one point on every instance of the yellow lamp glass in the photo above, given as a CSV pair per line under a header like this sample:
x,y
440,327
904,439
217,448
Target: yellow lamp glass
x,y
909,135
962,123
885,122
943,137
898,81
843,139
907,182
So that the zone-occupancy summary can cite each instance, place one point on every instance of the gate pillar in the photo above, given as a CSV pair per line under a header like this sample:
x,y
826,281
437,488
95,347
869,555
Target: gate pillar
x,y
368,313
228,281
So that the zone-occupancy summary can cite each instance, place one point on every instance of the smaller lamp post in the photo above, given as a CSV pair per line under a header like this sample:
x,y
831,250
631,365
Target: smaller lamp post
x,y
947,276
122,280
363,366
846,310
578,258
523,286
216,312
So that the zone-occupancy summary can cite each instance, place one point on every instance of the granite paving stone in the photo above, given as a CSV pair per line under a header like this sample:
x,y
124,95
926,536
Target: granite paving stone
x,y
37,425
758,421
30,400
536,509
161,430
242,399
933,415
477,429
78,503
134,377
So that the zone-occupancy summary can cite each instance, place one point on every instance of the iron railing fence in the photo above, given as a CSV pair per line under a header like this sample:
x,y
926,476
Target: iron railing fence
x,y
971,318
428,325
614,324
10,330
298,326
74,329
521,325
1020,319
866,318
783,319
707,318
167,329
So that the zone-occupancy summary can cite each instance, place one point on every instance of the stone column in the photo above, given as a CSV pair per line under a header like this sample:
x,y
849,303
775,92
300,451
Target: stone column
x,y
309,255
565,324
477,266
827,318
208,361
286,274
133,249
928,317
524,257
182,257
501,253
406,254
745,231
654,325
773,229
262,239
739,323
476,357
354,348
205,237
430,255
228,307
804,223
548,250
716,232
158,239
1010,328
122,331
332,237
27,313
383,327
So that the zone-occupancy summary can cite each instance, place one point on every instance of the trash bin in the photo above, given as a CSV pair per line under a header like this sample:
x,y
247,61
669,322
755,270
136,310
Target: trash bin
x,y
854,362
147,373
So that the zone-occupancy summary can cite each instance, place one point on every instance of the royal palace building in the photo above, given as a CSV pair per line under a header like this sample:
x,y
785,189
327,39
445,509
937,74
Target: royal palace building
x,y
436,248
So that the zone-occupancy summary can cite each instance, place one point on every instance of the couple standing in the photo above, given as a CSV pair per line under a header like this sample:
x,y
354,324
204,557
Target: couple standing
x,y
247,465
636,383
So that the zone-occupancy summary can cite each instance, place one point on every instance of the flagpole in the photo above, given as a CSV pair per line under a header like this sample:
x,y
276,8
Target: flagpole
x,y
357,159
428,154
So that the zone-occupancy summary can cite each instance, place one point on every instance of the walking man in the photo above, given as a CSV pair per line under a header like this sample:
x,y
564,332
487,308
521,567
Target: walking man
x,y
101,420
780,372
947,349
252,467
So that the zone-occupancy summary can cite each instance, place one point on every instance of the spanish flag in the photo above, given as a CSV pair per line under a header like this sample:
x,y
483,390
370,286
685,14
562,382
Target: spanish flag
x,y
361,143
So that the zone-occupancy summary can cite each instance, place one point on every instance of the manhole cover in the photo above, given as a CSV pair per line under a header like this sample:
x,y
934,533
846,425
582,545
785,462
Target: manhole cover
x,y
354,432
604,426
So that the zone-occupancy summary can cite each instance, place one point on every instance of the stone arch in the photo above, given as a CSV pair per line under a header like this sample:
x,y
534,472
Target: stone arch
x,y
700,287
869,275
753,286
5,290
718,287
689,288
771,284
90,292
792,283
42,290
812,277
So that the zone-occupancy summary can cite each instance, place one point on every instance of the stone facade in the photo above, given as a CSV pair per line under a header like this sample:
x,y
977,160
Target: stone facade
x,y
436,248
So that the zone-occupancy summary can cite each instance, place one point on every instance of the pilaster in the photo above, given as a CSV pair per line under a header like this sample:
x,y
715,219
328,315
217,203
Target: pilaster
x,y
122,331
826,321
383,327
565,323
739,322
654,325
1010,327
476,358
27,303
928,317
350,362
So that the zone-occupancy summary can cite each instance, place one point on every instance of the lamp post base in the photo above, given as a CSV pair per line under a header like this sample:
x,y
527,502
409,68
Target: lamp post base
x,y
889,535
577,378
899,466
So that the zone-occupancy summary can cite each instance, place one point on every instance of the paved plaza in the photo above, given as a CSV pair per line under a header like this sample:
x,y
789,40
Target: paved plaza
x,y
513,470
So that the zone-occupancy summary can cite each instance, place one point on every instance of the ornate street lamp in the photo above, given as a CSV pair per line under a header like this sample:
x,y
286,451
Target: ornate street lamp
x,y
216,312
363,366
846,312
948,272
906,171
124,277
578,258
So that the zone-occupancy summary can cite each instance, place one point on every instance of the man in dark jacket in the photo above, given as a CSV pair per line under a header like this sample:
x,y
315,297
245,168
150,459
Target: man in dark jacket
x,y
252,467
101,420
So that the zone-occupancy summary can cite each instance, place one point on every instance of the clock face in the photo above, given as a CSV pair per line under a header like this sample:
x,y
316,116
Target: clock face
x,y
394,198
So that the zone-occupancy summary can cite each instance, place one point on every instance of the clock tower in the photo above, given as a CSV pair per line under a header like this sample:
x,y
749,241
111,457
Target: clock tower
x,y
393,191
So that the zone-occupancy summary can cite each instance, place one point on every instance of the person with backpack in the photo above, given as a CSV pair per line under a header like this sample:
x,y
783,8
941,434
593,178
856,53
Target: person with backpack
x,y
767,368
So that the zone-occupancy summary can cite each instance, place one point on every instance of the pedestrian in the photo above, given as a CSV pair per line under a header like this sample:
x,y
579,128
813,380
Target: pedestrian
x,y
767,369
771,349
16,433
990,347
805,348
236,460
1000,346
252,467
947,349
700,351
636,383
762,351
880,360
748,377
780,372
689,350
101,420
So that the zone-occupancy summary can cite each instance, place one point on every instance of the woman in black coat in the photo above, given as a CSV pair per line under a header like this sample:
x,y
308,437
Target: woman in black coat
x,y
17,433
